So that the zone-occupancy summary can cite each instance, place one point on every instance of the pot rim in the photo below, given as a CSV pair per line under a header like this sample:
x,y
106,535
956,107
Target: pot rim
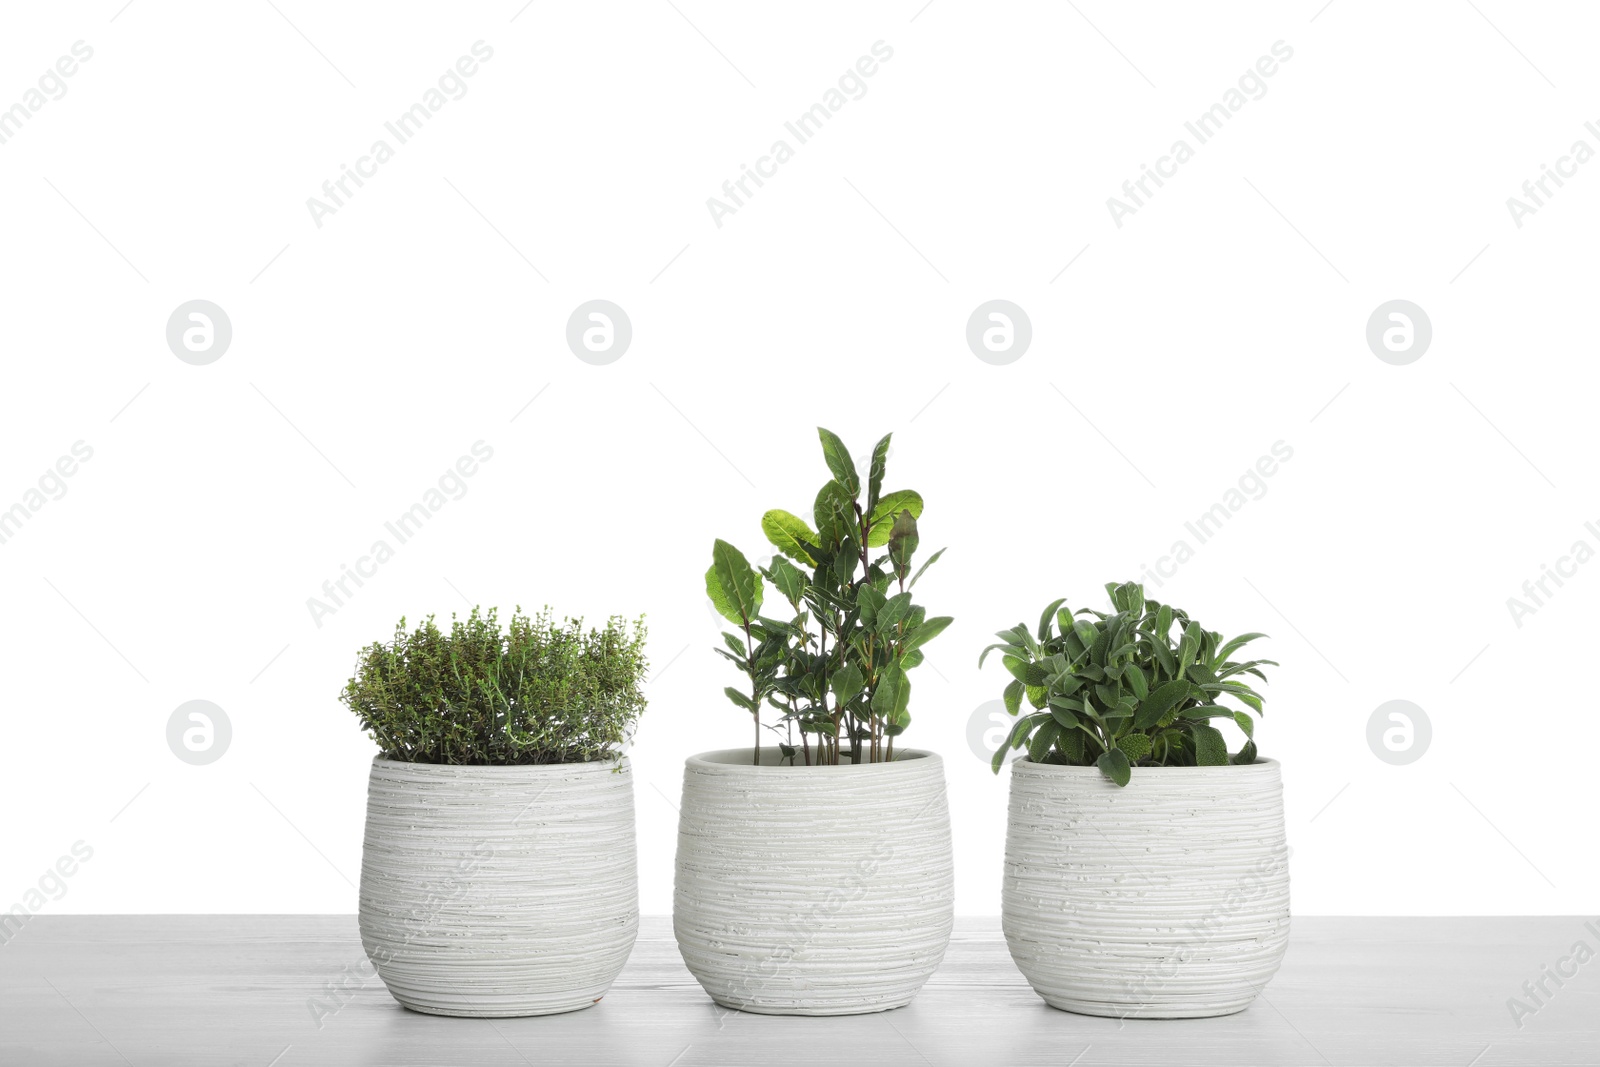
x,y
1068,769
503,768
737,761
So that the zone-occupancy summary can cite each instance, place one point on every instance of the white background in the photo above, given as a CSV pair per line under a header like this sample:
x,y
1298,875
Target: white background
x,y
1228,314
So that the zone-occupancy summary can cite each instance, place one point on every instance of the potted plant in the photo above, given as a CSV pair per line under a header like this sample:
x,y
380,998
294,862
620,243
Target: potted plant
x,y
498,870
1146,868
814,874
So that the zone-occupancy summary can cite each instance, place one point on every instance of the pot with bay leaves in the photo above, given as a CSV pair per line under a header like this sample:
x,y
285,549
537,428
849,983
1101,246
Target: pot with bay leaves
x,y
814,872
1146,869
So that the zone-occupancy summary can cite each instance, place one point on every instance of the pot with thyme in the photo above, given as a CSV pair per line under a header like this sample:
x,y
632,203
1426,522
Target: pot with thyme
x,y
498,873
814,870
1146,868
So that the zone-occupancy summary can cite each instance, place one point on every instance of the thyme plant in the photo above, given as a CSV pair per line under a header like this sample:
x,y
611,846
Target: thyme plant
x,y
836,666
537,692
1135,687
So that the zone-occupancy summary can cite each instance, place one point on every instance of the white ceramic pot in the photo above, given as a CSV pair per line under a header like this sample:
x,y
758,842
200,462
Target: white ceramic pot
x,y
813,890
495,891
1168,898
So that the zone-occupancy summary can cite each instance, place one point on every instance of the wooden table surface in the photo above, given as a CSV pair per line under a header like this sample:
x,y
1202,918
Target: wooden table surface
x,y
173,990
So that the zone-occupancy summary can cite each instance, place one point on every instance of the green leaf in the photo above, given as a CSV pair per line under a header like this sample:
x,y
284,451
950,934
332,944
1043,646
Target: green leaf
x,y
1114,765
1163,622
1206,711
1246,723
1087,632
1165,659
720,601
1120,651
1019,636
1233,646
1154,708
1236,688
1048,617
1248,667
741,699
1013,696
844,564
847,683
1070,744
733,587
903,541
924,633
869,602
789,579
1043,739
880,461
839,462
1242,693
1010,648
834,511
893,693
1188,645
786,532
1136,680
926,564
1015,740
1246,755
1021,730
882,517
893,610
1063,716
1210,750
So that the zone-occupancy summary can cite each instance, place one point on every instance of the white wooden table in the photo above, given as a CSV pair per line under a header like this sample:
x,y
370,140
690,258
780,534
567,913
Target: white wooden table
x,y
168,991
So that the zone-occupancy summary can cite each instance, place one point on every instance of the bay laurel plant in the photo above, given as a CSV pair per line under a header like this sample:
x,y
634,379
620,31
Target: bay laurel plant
x,y
1139,686
536,692
831,661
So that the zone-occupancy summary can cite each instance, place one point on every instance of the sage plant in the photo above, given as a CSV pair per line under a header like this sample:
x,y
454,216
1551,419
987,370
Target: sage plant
x,y
1135,687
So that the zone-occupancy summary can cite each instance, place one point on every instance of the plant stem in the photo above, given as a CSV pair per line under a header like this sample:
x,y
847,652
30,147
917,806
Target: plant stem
x,y
755,692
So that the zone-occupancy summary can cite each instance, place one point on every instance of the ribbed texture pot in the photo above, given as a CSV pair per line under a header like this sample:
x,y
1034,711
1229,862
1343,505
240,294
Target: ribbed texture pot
x,y
813,890
1168,898
495,891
